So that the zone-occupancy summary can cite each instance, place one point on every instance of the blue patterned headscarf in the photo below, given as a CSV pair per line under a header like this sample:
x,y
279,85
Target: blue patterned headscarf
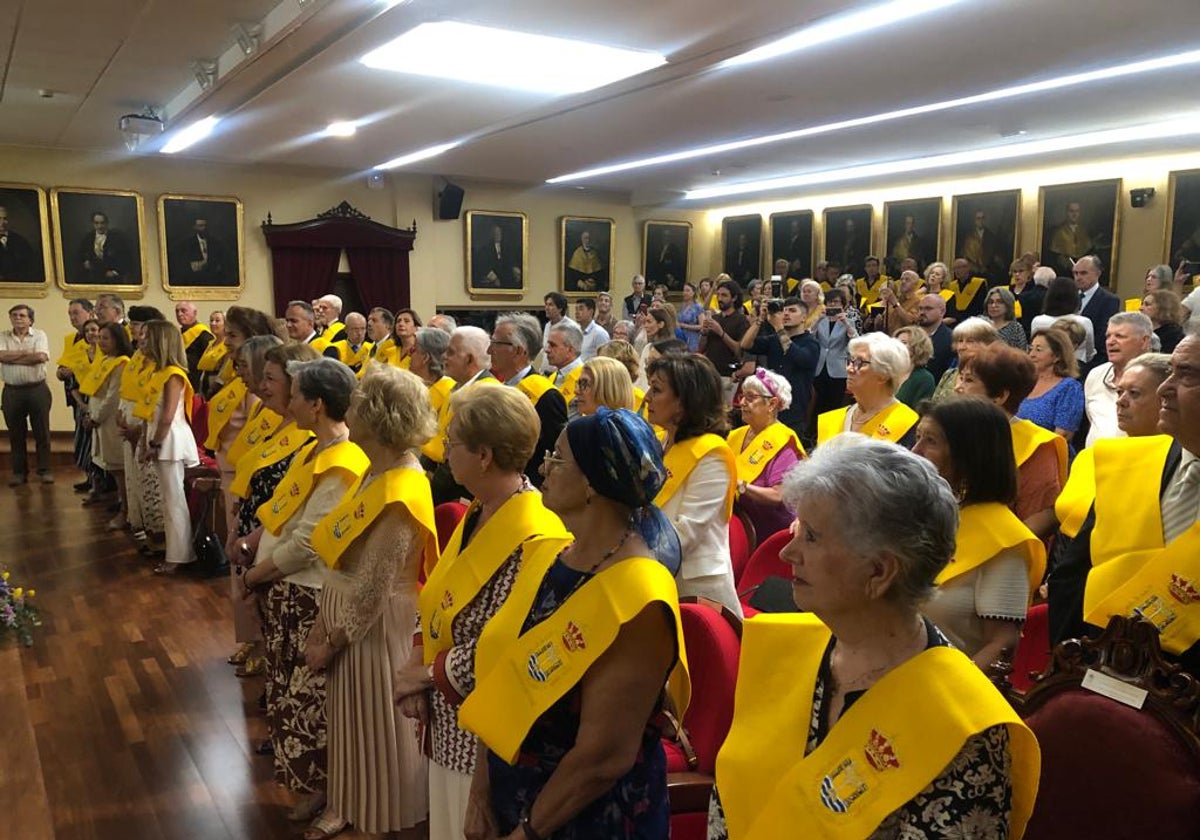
x,y
622,460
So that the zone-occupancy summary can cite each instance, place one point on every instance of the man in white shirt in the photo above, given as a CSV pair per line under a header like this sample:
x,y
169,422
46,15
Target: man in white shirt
x,y
555,304
1127,337
301,323
594,335
24,352
563,352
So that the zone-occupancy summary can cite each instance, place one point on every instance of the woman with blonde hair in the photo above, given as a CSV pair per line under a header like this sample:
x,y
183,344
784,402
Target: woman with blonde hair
x,y
168,442
969,336
1165,311
604,382
919,384
813,297
624,353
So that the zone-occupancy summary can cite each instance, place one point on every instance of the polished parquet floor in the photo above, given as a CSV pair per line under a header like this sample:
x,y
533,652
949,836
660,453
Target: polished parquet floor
x,y
123,719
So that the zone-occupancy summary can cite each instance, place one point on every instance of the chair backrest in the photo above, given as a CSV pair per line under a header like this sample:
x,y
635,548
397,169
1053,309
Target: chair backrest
x,y
446,517
713,651
765,562
1110,770
740,543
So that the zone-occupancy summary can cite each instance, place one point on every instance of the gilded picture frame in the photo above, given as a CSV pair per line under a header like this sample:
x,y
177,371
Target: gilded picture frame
x,y
87,262
1182,240
26,258
984,230
666,245
1079,219
848,237
922,242
742,248
793,238
201,246
586,252
495,267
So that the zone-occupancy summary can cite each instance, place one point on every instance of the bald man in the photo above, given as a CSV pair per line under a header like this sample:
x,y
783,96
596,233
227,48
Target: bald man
x,y
931,309
354,350
196,338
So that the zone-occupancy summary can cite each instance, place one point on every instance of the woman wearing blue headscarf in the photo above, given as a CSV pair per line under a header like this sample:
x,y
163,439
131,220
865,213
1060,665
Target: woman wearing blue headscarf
x,y
572,669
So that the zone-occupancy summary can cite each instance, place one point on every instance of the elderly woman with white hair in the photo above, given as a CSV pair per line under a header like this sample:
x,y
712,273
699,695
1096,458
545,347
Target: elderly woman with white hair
x,y
765,450
969,337
813,297
877,367
862,694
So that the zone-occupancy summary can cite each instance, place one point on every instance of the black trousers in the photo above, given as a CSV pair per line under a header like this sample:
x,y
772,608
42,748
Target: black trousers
x,y
27,406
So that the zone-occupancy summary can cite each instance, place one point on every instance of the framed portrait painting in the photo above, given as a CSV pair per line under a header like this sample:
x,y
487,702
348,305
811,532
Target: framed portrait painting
x,y
741,244
586,251
1183,222
497,244
1075,220
666,254
848,237
984,232
25,262
911,231
99,240
201,248
792,240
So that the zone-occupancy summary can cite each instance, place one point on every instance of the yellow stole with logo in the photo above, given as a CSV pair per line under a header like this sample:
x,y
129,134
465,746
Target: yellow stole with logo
x,y
964,295
213,356
884,750
569,384
261,423
192,333
221,408
521,675
74,354
269,451
1029,437
462,572
136,370
439,395
1133,569
683,457
384,350
985,530
143,409
768,443
353,359
1076,498
869,294
535,386
303,474
356,513
892,423
101,369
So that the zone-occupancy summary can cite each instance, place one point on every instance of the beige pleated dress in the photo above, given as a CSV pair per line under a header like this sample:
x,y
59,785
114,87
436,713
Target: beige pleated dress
x,y
378,776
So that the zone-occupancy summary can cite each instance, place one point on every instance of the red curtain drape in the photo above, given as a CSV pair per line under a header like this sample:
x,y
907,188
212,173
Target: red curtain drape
x,y
381,276
302,273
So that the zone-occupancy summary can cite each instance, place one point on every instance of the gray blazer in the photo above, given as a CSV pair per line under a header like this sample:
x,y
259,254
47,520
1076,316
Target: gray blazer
x,y
834,339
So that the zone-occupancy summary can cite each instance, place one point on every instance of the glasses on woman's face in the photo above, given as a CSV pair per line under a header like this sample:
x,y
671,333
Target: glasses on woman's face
x,y
552,461
749,399
583,385
857,364
448,443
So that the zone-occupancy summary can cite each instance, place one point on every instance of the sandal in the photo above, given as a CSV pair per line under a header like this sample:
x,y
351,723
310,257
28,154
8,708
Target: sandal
x,y
252,667
307,808
241,654
325,826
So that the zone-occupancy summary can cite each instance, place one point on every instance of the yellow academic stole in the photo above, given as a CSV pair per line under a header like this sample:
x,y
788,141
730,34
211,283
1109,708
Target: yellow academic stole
x,y
261,423
1077,495
869,294
986,529
269,451
74,352
214,354
964,296
192,333
297,484
227,373
143,409
220,410
99,373
359,509
535,386
1133,571
353,359
439,395
752,460
131,376
521,675
892,423
462,572
1028,438
888,747
682,458
384,351
1133,304
570,384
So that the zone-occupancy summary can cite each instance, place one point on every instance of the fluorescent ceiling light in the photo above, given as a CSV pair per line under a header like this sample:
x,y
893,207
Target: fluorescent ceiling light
x,y
189,136
422,154
1180,126
341,129
503,58
1132,69
839,27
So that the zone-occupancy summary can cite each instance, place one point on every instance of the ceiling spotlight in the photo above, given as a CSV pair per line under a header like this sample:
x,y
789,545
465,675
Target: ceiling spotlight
x,y
138,128
341,129
249,37
205,71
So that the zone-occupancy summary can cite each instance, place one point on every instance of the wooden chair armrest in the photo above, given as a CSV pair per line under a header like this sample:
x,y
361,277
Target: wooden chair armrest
x,y
689,792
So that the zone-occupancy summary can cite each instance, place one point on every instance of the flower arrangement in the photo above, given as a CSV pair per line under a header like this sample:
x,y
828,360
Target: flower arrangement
x,y
17,615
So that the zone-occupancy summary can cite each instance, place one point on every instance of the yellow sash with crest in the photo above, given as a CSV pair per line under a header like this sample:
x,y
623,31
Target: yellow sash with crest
x,y
768,443
439,395
269,451
302,476
570,384
965,295
74,354
986,529
1077,495
194,332
521,675
884,750
143,409
213,356
683,457
260,425
358,511
892,423
535,386
868,294
98,374
132,375
1133,569
462,572
221,408
1029,437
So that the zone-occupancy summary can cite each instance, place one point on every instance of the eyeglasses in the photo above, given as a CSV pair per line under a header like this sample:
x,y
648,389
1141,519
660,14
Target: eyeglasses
x,y
583,385
448,444
495,341
552,460
857,364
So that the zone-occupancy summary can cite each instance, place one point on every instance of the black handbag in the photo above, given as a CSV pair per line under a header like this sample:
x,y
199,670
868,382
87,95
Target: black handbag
x,y
208,547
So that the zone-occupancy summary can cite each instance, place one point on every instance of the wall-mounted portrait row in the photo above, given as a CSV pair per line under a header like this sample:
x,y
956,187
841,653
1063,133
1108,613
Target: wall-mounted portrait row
x,y
91,240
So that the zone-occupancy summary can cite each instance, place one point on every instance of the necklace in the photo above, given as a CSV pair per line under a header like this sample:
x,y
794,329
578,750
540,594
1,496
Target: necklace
x,y
321,447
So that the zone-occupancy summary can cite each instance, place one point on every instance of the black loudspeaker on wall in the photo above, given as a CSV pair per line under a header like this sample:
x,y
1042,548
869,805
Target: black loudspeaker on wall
x,y
449,201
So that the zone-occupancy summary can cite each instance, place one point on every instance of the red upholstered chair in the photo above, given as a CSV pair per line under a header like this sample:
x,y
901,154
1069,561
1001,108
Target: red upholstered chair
x,y
764,563
713,640
742,541
447,516
1111,771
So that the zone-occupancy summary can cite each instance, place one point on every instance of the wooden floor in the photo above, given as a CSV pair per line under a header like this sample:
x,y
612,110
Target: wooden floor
x,y
123,719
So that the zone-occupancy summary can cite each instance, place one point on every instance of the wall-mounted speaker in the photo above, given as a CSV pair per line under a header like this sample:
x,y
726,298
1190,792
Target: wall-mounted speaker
x,y
447,205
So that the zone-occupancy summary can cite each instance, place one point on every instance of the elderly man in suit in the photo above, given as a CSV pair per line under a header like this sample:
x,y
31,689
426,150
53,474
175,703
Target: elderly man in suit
x,y
18,261
1097,303
104,256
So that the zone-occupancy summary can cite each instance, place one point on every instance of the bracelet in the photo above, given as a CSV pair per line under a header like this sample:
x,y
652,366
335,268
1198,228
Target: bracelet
x,y
527,827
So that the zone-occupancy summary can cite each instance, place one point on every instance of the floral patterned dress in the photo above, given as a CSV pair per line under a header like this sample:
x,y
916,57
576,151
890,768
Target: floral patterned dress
x,y
636,808
970,800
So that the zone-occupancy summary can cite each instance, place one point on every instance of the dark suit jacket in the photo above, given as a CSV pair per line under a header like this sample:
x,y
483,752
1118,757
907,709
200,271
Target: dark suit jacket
x,y
1031,301
1070,562
666,266
551,409
487,261
219,270
1103,305
18,261
943,351
633,303
118,257
441,482
194,352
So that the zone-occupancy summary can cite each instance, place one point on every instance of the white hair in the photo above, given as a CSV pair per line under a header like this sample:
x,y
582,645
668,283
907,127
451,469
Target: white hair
x,y
889,356
335,302
755,385
1044,275
475,341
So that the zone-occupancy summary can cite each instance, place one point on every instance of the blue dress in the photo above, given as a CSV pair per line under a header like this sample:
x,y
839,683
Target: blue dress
x,y
691,315
636,808
1059,408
